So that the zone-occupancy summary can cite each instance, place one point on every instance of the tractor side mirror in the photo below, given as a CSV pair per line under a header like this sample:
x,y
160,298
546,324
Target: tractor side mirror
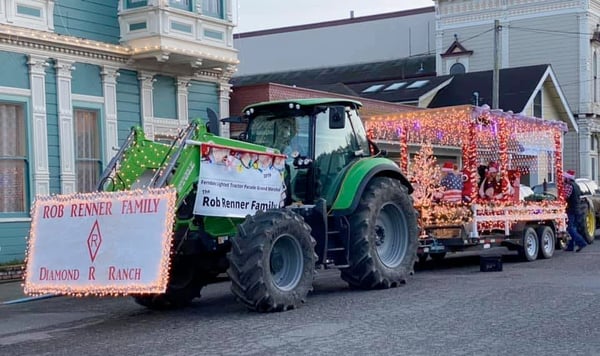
x,y
213,121
337,117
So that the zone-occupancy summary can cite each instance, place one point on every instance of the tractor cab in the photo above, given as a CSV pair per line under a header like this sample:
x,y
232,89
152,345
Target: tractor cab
x,y
320,137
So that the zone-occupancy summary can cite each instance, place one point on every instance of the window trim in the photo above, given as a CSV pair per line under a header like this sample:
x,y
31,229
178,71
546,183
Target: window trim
x,y
26,104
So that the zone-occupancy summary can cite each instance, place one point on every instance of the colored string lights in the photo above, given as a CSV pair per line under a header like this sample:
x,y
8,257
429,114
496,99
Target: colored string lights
x,y
520,145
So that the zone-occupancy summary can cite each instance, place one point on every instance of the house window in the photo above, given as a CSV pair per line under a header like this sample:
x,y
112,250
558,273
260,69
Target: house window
x,y
13,159
213,8
181,4
136,3
457,68
537,104
88,162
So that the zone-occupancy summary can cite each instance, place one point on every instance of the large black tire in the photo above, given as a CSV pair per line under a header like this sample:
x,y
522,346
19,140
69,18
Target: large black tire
x,y
588,224
547,242
272,261
383,241
184,285
531,245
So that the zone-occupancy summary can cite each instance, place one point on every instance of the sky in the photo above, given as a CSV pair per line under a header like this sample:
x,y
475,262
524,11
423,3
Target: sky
x,y
254,15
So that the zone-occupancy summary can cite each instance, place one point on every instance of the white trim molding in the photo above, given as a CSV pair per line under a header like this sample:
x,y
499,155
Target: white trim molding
x,y
68,182
111,136
15,91
39,127
224,91
183,83
147,102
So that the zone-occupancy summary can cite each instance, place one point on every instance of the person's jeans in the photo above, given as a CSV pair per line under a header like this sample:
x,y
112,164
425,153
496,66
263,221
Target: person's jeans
x,y
576,238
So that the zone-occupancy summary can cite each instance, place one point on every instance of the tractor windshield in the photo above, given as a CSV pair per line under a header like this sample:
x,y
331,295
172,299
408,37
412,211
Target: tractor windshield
x,y
289,135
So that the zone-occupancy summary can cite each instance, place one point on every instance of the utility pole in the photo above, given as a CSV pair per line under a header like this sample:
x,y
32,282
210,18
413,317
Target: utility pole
x,y
496,75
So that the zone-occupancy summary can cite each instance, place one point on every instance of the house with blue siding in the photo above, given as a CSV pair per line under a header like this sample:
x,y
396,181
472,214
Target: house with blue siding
x,y
75,76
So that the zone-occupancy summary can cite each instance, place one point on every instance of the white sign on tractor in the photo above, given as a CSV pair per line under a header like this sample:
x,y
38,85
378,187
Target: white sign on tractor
x,y
236,182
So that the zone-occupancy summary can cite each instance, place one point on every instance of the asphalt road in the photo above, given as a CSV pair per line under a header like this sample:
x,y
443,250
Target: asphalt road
x,y
547,307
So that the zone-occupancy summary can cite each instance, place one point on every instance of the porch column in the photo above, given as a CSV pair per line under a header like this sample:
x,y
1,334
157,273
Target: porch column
x,y
68,179
39,127
109,87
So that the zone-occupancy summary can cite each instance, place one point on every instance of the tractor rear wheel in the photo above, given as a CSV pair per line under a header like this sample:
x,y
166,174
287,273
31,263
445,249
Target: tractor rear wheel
x,y
184,285
272,261
588,225
383,241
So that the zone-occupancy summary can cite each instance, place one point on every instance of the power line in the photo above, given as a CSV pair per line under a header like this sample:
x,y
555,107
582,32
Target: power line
x,y
462,41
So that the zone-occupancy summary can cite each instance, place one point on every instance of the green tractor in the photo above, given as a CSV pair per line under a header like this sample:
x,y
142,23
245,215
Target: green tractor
x,y
344,206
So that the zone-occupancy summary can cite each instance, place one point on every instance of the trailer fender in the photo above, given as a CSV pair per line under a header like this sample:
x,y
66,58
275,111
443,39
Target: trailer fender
x,y
358,177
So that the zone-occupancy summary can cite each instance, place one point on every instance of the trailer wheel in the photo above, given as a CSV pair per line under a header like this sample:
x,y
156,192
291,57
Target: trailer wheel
x,y
529,250
184,285
547,242
272,261
383,241
422,258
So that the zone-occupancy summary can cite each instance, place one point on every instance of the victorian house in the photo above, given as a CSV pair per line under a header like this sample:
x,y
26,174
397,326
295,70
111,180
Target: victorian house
x,y
75,76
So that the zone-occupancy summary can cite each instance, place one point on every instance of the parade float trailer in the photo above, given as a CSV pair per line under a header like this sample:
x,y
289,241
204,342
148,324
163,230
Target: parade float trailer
x,y
523,148
302,189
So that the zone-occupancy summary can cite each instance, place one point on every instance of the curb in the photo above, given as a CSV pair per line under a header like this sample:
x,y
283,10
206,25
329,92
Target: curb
x,y
29,299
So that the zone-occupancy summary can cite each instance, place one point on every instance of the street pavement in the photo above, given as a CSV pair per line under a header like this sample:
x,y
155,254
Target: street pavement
x,y
546,307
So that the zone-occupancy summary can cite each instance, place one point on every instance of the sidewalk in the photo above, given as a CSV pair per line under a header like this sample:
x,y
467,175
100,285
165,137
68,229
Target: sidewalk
x,y
11,290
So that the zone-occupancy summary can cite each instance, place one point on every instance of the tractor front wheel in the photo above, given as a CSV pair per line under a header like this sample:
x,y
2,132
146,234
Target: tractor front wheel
x,y
383,241
184,285
272,261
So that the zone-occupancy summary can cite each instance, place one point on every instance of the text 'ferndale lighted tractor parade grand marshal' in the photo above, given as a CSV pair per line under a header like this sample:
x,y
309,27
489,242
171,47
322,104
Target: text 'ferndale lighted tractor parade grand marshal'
x,y
489,153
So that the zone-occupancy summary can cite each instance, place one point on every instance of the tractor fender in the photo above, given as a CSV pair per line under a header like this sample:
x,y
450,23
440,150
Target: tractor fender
x,y
358,177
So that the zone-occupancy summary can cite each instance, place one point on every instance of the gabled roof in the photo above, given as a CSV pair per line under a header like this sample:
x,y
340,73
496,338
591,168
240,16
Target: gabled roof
x,y
456,49
402,81
517,88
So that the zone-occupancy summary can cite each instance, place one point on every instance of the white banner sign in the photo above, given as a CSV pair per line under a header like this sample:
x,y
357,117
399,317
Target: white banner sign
x,y
101,243
235,183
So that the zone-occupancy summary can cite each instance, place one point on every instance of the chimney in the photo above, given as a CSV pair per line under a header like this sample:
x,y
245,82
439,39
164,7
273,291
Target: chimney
x,y
351,14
